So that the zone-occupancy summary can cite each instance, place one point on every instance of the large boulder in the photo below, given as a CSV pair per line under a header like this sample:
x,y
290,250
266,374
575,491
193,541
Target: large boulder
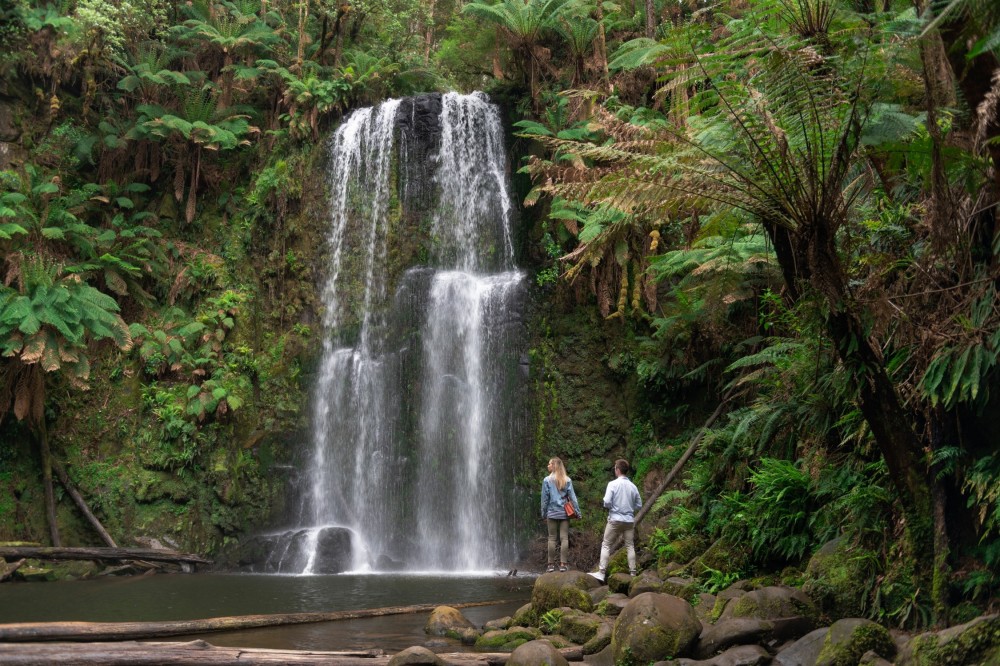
x,y
772,603
834,577
739,631
652,627
537,653
851,638
975,642
448,621
647,581
333,551
416,656
565,588
804,651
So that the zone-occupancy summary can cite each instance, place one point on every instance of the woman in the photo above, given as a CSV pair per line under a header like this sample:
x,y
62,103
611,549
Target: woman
x,y
557,489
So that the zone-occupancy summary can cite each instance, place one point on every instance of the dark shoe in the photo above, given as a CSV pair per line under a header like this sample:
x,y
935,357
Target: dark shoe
x,y
550,568
633,574
563,567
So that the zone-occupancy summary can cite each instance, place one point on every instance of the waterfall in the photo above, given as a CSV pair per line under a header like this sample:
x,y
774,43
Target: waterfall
x,y
416,420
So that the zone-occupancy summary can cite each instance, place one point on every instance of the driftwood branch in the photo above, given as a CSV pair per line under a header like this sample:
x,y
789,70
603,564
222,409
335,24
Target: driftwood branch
x,y
81,504
197,653
23,632
679,465
7,570
151,554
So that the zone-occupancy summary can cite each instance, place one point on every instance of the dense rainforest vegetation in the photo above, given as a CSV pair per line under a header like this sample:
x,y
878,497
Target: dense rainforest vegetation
x,y
786,207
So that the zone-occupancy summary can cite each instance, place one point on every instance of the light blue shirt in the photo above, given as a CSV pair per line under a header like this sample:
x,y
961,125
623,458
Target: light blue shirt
x,y
622,500
553,503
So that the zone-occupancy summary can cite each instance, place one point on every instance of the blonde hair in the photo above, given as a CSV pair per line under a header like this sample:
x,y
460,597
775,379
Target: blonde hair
x,y
559,473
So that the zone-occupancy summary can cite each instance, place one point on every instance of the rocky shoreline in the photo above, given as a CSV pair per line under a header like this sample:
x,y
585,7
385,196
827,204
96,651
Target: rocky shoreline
x,y
666,622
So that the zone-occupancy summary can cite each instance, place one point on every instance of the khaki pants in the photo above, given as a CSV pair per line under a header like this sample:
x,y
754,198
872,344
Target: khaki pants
x,y
558,529
611,533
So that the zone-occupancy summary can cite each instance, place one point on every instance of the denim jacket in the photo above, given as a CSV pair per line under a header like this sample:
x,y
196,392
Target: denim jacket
x,y
553,504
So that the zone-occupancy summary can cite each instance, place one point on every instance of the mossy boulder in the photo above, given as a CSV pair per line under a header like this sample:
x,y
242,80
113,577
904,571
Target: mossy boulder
x,y
834,578
685,588
771,603
653,627
537,653
647,581
77,570
448,621
849,639
499,623
34,573
976,642
619,583
507,640
525,616
601,639
566,588
578,626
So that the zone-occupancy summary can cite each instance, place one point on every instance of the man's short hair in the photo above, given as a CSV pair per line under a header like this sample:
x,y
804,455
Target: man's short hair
x,y
622,465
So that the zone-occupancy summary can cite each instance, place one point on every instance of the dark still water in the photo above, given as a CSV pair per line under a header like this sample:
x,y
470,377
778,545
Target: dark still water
x,y
183,597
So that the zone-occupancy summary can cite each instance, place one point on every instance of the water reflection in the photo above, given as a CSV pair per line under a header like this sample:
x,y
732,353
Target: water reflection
x,y
182,597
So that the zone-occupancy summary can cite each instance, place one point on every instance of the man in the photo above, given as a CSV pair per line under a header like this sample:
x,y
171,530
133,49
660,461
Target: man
x,y
622,501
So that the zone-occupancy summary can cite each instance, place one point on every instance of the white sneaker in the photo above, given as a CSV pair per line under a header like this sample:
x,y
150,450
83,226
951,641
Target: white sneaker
x,y
598,575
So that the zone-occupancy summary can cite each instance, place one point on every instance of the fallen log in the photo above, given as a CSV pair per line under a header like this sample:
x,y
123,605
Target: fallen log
x,y
52,553
24,632
199,653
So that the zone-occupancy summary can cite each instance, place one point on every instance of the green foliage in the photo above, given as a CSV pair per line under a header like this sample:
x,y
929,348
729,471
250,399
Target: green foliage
x,y
549,621
714,581
962,374
775,515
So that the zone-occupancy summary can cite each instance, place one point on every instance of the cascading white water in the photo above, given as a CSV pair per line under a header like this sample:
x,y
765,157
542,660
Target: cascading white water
x,y
414,428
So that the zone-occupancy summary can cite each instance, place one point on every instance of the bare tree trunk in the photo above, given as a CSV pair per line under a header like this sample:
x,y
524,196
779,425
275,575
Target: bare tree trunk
x,y
938,92
429,32
50,498
497,69
650,19
602,48
878,398
81,504
303,21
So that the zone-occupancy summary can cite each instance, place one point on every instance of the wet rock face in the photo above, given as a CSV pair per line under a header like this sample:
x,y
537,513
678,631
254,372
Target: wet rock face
x,y
288,552
419,124
333,551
